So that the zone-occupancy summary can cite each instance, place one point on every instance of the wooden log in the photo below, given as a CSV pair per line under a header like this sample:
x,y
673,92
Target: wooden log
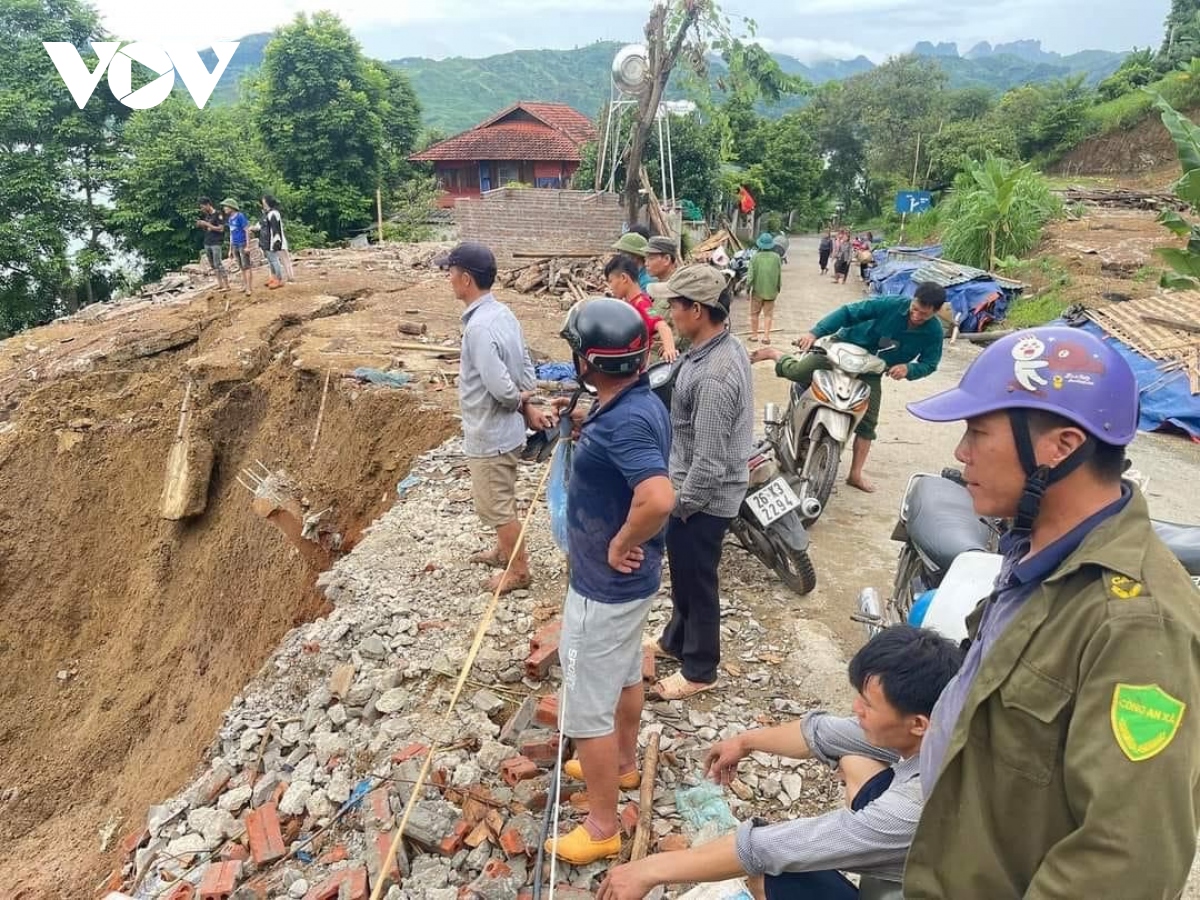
x,y
546,255
984,337
641,837
427,348
1175,324
414,328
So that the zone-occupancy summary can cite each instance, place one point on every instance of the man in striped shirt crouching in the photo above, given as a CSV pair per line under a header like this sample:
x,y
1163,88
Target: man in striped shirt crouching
x,y
898,675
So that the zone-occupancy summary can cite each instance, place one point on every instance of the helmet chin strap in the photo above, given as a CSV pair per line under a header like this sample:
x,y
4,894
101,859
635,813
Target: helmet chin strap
x,y
1039,477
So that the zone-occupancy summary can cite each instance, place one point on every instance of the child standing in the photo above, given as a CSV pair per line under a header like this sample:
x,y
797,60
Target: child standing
x,y
621,273
238,250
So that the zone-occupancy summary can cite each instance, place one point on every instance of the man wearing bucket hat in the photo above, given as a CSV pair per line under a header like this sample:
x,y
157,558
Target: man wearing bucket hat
x,y
764,281
636,247
1062,761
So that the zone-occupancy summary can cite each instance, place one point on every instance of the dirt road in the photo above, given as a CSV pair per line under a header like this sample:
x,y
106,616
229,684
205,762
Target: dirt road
x,y
851,543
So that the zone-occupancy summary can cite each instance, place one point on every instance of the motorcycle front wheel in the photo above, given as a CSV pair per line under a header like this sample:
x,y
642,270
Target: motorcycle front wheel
x,y
908,568
822,471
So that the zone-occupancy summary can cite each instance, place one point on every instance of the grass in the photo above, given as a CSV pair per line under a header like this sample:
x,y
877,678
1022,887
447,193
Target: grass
x,y
1147,273
1047,299
1123,112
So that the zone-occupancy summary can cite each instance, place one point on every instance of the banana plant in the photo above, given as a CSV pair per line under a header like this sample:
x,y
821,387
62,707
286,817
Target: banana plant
x,y
1184,263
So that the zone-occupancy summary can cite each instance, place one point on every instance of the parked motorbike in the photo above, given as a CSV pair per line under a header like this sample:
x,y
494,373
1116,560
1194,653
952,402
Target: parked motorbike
x,y
808,438
769,523
737,271
948,560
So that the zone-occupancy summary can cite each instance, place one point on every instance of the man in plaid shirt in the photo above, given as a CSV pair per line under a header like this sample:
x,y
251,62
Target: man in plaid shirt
x,y
711,432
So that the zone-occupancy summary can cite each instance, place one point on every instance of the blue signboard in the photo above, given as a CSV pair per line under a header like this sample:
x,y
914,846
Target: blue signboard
x,y
913,202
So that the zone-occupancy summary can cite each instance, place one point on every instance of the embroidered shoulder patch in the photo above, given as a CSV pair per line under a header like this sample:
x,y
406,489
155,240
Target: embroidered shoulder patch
x,y
1145,719
1124,588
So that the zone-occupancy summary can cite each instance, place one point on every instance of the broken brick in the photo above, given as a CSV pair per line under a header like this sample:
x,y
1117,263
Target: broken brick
x,y
479,834
521,835
339,853
331,888
518,721
181,891
546,712
211,785
629,818
378,811
649,665
219,880
266,838
235,852
540,746
379,848
517,769
673,842
453,842
543,650
133,840
410,752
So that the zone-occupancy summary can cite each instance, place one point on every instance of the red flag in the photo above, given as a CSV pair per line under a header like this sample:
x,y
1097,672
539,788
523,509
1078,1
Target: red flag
x,y
745,200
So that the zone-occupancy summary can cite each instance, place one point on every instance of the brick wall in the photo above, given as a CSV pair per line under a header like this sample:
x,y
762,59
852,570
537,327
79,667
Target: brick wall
x,y
539,219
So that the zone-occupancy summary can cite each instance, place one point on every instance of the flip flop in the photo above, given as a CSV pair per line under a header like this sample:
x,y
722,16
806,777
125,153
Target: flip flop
x,y
676,687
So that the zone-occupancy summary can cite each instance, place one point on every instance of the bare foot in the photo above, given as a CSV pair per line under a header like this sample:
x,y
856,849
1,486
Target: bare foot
x,y
508,582
863,483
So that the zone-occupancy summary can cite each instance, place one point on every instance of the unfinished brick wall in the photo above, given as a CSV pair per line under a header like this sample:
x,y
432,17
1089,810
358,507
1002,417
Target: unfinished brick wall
x,y
539,219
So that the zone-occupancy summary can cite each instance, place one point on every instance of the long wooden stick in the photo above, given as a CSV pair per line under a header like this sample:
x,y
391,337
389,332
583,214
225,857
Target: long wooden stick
x,y
320,412
641,837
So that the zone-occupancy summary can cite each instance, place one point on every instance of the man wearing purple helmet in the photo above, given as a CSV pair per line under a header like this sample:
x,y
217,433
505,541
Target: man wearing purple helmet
x,y
1062,760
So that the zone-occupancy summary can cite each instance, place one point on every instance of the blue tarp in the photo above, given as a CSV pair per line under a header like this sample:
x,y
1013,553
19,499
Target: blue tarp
x,y
975,303
556,371
1166,399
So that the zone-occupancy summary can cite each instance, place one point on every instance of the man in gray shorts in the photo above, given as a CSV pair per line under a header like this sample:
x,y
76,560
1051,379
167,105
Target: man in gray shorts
x,y
618,501
212,223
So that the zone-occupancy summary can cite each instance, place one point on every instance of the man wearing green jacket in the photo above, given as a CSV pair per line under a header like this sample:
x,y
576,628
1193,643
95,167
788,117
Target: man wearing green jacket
x,y
1063,760
764,282
906,334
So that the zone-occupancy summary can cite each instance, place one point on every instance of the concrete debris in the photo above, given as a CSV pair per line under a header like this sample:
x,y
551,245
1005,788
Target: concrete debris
x,y
350,704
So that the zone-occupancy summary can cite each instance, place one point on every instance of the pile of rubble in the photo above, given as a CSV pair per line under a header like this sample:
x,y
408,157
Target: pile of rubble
x,y
317,757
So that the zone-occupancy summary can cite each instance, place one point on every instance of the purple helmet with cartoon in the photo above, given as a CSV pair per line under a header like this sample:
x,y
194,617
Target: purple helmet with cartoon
x,y
1066,371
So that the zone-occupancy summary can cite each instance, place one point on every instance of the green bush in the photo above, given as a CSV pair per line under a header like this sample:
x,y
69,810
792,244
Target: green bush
x,y
1121,113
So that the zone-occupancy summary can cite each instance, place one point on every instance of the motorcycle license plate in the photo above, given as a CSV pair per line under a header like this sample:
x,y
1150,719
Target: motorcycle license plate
x,y
772,501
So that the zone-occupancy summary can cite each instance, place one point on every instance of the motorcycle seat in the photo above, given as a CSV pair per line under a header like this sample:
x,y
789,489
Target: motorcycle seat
x,y
1183,541
942,522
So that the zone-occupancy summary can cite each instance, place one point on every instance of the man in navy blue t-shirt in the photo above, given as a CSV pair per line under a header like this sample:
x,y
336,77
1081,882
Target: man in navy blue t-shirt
x,y
618,501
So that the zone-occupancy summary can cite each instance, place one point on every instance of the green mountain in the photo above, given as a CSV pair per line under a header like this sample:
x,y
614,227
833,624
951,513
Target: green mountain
x,y
458,92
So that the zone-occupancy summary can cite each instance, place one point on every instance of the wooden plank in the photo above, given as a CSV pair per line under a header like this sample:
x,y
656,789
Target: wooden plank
x,y
1173,324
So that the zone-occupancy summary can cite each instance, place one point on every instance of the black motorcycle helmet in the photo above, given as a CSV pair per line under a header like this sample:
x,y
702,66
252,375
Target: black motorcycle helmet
x,y
609,335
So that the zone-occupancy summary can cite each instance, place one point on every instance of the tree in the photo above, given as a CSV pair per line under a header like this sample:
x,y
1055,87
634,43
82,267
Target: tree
x,y
1137,70
180,153
337,124
962,142
1045,118
790,171
696,158
1181,41
53,167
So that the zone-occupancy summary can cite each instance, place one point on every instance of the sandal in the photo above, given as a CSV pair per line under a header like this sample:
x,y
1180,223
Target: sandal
x,y
490,558
676,687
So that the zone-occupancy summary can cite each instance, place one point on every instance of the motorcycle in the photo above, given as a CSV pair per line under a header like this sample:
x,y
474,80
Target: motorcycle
x,y
769,523
737,271
808,438
948,560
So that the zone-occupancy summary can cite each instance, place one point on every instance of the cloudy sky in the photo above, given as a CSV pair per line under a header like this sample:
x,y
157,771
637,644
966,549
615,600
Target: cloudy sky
x,y
807,29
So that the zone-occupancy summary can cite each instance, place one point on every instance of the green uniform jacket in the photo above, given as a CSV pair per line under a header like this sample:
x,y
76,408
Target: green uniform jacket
x,y
1074,769
868,322
766,275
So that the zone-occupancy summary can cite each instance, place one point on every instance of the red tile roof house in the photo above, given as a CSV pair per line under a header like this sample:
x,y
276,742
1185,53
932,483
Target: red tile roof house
x,y
532,143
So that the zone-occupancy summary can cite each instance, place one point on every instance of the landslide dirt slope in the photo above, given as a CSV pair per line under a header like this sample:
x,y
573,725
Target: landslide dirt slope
x,y
1142,155
123,637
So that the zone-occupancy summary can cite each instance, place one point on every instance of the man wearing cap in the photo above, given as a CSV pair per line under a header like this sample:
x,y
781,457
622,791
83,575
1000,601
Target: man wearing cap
x,y
495,382
764,281
1064,758
712,425
662,261
906,334
635,247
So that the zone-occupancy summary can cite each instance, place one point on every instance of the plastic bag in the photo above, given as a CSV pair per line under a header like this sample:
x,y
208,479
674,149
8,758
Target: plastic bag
x,y
705,812
556,491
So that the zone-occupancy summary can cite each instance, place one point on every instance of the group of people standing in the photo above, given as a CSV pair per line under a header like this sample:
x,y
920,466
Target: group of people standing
x,y
214,223
845,250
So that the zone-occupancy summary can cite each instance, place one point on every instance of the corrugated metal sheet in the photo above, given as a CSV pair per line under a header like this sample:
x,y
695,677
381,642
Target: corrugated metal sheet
x,y
948,274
